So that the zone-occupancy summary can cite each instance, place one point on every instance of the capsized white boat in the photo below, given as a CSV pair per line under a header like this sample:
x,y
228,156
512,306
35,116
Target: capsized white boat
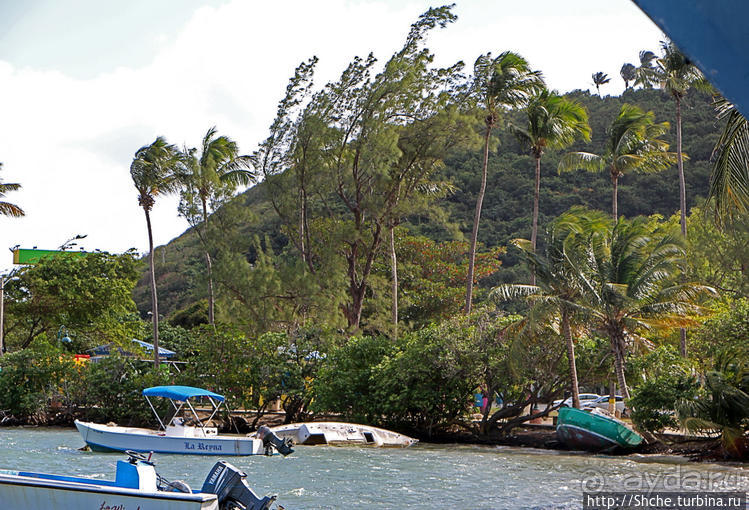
x,y
175,435
137,485
341,434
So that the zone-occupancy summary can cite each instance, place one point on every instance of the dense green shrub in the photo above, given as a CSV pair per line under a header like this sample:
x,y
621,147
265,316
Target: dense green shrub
x,y
665,379
30,380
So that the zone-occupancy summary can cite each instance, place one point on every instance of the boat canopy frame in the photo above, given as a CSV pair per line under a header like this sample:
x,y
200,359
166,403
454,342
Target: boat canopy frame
x,y
183,398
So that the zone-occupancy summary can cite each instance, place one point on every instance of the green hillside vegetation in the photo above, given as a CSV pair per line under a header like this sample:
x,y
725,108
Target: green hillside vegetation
x,y
507,207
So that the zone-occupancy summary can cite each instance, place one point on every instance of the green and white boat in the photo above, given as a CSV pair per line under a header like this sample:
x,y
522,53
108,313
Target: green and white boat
x,y
594,430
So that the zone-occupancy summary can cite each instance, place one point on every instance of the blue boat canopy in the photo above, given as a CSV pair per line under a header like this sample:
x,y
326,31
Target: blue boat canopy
x,y
180,392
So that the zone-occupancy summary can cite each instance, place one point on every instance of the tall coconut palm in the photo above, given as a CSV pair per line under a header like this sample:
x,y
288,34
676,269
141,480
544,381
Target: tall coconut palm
x,y
729,181
628,73
630,286
499,84
553,122
154,170
558,293
217,170
676,74
599,79
6,208
633,144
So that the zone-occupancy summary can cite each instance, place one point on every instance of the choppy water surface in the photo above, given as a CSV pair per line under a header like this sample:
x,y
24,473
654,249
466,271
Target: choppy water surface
x,y
425,476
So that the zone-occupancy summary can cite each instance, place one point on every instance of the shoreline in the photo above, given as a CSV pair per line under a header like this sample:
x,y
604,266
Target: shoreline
x,y
543,437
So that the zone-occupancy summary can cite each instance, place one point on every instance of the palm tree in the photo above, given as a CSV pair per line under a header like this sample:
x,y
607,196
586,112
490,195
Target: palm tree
x,y
553,123
557,295
675,74
729,182
632,144
629,286
154,169
499,84
6,208
599,79
217,170
644,72
628,73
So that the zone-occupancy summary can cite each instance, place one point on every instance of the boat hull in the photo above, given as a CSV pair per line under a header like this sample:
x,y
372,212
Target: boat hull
x,y
342,434
590,431
30,493
104,438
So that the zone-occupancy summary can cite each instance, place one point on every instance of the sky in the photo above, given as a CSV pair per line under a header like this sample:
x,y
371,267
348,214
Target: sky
x,y
85,83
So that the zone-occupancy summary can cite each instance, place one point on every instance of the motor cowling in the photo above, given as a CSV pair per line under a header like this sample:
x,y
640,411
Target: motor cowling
x,y
229,484
272,441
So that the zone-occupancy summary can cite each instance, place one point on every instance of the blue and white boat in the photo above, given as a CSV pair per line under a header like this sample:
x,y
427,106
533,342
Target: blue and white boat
x,y
179,433
136,486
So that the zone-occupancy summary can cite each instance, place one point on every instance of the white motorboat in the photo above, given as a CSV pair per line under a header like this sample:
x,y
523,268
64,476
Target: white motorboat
x,y
136,486
175,435
341,434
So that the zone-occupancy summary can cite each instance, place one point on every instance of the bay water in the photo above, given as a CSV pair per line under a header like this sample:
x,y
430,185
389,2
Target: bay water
x,y
425,476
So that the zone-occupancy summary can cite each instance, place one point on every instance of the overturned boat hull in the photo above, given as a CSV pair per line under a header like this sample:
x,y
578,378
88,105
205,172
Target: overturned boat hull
x,y
593,431
181,440
342,434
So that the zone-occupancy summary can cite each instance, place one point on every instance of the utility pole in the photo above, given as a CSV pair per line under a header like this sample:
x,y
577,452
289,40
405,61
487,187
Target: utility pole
x,y
2,314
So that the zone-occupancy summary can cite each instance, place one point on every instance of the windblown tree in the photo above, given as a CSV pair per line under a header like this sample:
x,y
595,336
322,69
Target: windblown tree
x,y
600,78
206,179
632,286
729,181
553,122
644,72
628,73
371,140
6,208
555,299
499,84
633,144
154,172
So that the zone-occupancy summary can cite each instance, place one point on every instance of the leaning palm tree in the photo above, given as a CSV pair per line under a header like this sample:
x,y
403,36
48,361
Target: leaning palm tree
x,y
6,208
628,73
599,79
154,169
633,144
557,295
553,122
729,182
630,287
499,84
215,172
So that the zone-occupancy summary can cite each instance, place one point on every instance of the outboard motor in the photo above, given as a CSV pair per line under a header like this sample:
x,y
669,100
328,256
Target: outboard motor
x,y
229,484
271,440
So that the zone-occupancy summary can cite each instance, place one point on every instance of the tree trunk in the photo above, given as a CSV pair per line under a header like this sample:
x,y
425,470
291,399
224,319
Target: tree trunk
x,y
154,301
476,218
394,270
571,358
615,197
209,265
2,315
682,205
534,228
618,348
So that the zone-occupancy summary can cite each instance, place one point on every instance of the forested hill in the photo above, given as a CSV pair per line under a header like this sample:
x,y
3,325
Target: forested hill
x,y
506,213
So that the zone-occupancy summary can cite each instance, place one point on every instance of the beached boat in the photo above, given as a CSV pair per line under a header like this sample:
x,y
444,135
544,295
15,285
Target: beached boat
x,y
136,486
594,430
341,434
180,434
